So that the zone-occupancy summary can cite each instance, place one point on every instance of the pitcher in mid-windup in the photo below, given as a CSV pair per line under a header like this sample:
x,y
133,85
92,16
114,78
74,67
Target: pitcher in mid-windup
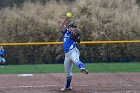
x,y
71,35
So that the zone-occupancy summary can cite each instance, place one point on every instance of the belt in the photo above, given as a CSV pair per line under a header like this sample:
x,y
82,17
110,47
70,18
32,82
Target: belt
x,y
72,49
69,50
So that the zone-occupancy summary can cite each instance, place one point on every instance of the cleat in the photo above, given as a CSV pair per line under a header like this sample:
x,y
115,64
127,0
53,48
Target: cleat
x,y
66,89
83,70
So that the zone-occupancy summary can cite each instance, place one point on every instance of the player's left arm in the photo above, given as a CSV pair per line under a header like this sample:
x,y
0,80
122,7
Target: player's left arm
x,y
75,35
78,39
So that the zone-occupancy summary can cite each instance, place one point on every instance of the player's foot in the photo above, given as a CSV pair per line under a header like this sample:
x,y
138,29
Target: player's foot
x,y
66,89
83,70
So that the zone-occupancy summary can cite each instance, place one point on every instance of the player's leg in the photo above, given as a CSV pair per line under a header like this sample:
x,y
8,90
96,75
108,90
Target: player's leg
x,y
75,58
2,62
68,69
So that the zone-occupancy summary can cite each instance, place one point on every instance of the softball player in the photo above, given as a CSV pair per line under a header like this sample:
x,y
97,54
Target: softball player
x,y
71,52
2,60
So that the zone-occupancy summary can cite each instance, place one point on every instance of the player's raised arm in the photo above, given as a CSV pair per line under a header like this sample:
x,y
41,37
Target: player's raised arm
x,y
64,22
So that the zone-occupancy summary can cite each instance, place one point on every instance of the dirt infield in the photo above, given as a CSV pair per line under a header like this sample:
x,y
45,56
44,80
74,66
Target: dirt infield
x,y
52,83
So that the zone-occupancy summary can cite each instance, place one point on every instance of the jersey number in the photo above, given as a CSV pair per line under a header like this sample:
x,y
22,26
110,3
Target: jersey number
x,y
65,39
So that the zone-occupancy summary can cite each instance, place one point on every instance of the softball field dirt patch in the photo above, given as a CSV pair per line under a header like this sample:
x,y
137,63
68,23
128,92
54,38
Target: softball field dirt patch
x,y
53,82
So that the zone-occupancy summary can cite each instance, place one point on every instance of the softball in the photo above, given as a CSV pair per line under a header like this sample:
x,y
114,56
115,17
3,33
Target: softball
x,y
68,15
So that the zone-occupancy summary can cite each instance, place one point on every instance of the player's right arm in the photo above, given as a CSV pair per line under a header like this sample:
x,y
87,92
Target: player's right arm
x,y
63,25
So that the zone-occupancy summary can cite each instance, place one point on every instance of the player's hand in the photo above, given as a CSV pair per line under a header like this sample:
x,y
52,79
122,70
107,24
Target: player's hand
x,y
68,15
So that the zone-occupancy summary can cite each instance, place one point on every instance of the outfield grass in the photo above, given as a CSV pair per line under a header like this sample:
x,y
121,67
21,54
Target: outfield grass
x,y
59,68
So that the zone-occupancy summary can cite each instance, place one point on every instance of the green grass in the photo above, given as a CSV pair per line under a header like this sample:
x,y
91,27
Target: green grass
x,y
59,68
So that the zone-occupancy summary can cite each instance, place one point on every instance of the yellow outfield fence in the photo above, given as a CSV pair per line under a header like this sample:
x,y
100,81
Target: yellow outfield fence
x,y
83,42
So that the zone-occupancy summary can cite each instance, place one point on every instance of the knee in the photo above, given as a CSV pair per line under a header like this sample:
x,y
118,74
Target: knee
x,y
75,60
68,74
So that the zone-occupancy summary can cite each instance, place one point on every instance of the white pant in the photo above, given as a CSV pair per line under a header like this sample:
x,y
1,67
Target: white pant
x,y
2,60
71,57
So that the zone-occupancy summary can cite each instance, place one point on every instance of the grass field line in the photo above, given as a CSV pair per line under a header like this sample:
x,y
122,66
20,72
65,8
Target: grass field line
x,y
39,86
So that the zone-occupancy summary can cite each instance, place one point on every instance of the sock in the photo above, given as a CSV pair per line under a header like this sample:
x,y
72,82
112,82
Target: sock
x,y
68,82
80,64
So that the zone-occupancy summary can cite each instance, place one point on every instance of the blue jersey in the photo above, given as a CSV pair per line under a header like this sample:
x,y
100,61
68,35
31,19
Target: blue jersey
x,y
68,44
2,52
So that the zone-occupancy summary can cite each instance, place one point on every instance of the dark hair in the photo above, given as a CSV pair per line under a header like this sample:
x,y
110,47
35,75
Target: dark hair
x,y
72,24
